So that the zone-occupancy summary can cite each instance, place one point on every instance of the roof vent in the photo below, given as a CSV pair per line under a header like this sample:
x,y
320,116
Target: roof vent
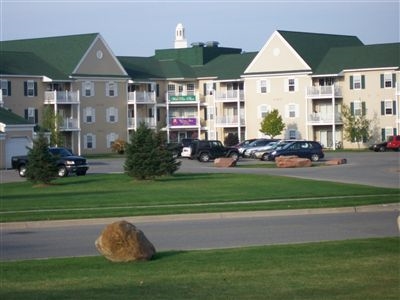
x,y
197,44
212,44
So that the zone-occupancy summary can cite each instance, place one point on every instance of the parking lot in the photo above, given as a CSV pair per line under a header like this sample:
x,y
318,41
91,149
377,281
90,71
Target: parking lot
x,y
367,168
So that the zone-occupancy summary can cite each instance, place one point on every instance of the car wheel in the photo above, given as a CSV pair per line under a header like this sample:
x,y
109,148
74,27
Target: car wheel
x,y
62,171
234,156
382,149
204,157
22,171
315,157
264,157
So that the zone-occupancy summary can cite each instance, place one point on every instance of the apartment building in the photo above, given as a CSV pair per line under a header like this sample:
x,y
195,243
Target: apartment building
x,y
203,90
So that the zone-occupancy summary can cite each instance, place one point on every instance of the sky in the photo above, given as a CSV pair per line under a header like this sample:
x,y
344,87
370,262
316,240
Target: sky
x,y
137,28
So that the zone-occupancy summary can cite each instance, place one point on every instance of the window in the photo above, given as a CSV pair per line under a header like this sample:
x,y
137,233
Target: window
x,y
30,88
292,134
171,89
89,141
291,85
263,86
190,88
89,115
357,82
112,115
180,89
31,114
292,110
357,108
388,107
263,110
111,138
6,87
111,89
388,80
88,88
386,132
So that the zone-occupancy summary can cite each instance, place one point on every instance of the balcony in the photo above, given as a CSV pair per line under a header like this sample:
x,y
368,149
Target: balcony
x,y
320,92
69,124
230,121
230,96
61,97
324,119
183,122
137,97
150,122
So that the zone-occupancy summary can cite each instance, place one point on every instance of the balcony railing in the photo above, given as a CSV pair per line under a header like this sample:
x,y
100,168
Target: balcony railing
x,y
229,96
317,118
228,121
69,124
327,91
61,97
183,122
150,122
141,97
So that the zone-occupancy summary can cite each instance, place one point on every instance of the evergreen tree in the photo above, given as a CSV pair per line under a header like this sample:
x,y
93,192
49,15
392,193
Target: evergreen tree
x,y
272,124
41,166
147,156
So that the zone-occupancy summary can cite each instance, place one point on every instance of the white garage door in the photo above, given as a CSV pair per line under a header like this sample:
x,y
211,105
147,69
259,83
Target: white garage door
x,y
16,146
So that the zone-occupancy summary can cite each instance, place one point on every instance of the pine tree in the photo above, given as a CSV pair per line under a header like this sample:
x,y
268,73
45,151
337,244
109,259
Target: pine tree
x,y
41,166
272,124
147,156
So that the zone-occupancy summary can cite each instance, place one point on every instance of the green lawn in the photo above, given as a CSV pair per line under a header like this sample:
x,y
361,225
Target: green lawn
x,y
356,269
113,195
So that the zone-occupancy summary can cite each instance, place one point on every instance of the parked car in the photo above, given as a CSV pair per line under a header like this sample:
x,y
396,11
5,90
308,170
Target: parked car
x,y
263,145
206,150
378,147
177,148
305,149
254,143
393,142
67,162
263,155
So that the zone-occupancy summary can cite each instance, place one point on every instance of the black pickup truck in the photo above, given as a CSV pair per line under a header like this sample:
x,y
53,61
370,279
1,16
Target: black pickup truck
x,y
67,162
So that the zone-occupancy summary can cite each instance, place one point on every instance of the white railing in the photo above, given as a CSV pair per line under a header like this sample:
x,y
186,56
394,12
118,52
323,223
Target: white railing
x,y
61,97
69,124
230,121
323,91
316,118
231,95
1,98
150,122
142,97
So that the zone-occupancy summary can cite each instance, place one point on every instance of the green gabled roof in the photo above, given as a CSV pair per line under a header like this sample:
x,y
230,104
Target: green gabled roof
x,y
62,52
26,63
368,56
312,47
9,118
230,66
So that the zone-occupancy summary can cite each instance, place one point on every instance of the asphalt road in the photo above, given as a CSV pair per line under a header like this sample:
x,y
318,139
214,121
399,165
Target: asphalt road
x,y
188,232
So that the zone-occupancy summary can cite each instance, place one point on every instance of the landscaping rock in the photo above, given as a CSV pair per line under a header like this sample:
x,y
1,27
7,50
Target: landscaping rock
x,y
224,162
336,161
292,162
122,242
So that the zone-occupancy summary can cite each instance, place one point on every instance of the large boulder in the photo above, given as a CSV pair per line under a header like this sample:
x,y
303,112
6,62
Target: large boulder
x,y
224,162
292,162
336,161
122,242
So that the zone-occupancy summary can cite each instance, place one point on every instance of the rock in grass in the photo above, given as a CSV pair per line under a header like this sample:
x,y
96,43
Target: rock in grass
x,y
122,242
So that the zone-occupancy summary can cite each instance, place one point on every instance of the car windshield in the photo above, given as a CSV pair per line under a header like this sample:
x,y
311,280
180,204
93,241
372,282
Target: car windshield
x,y
61,152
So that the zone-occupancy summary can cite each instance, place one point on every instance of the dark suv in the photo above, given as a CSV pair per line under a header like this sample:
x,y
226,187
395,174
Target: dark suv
x,y
207,150
305,149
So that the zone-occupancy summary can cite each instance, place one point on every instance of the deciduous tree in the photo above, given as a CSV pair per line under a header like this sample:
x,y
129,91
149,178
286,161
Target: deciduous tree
x,y
272,124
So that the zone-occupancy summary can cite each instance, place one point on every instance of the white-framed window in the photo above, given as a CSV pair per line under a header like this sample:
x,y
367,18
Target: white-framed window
x,y
89,141
5,87
112,115
292,110
31,114
263,109
111,89
387,80
88,88
171,89
111,138
263,86
190,88
357,82
89,115
30,88
292,134
291,85
388,107
357,108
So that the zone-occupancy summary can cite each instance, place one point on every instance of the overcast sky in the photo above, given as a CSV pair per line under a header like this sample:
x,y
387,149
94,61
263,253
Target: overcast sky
x,y
137,28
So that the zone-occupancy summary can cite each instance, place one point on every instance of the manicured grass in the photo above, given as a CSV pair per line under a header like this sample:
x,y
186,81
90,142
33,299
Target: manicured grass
x,y
355,269
108,195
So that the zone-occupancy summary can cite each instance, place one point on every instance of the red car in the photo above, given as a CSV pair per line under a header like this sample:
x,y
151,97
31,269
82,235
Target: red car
x,y
393,142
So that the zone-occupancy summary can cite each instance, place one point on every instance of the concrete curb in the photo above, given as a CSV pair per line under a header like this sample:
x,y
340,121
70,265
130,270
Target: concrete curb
x,y
200,216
